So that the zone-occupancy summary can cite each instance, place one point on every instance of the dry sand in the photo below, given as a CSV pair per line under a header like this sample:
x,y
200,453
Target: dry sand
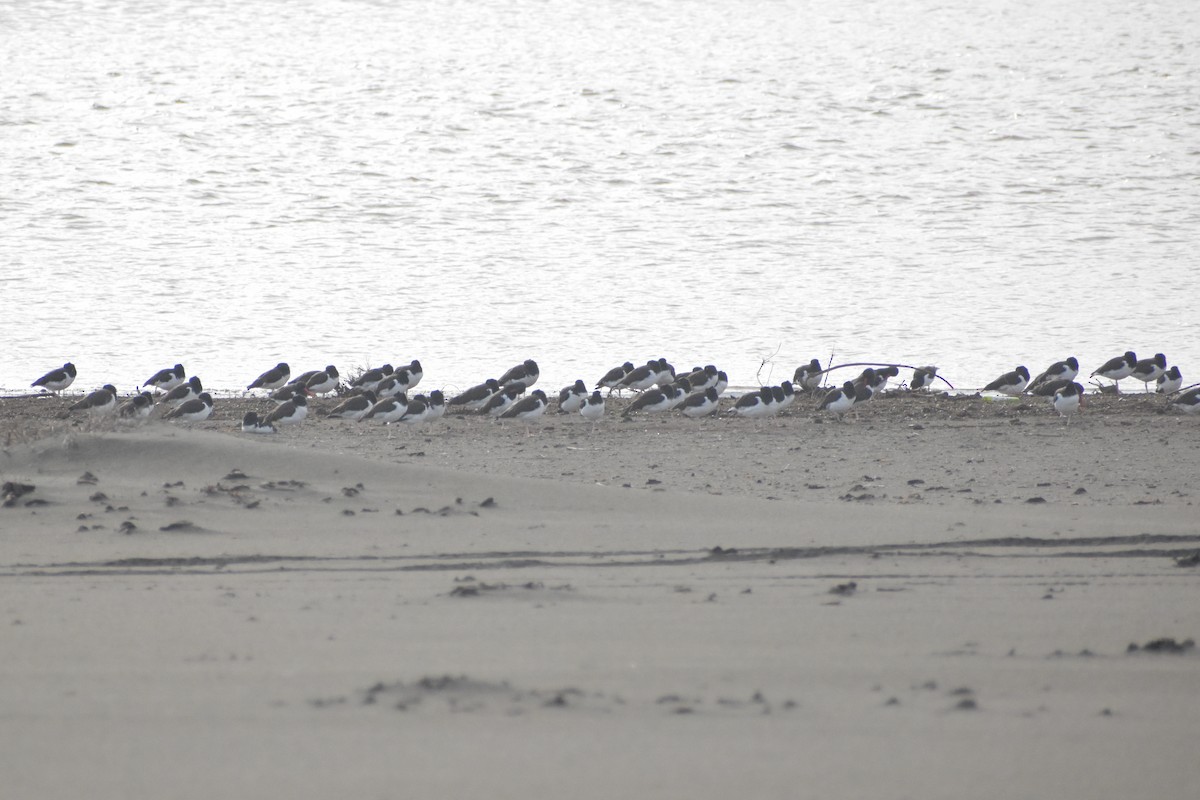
x,y
789,608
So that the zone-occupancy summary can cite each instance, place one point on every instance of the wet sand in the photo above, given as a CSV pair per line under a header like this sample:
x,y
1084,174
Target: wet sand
x,y
935,600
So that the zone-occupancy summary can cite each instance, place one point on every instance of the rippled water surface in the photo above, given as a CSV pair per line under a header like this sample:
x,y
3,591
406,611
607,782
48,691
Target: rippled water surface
x,y
229,184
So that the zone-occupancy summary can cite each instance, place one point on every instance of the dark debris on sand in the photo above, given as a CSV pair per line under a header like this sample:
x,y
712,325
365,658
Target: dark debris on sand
x,y
1165,644
12,491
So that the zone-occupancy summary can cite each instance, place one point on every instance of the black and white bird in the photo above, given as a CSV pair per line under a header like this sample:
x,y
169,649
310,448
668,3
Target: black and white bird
x,y
1064,370
300,380
881,379
839,401
754,404
197,409
783,396
399,382
701,405
592,408
436,404
526,373
356,407
166,379
289,412
57,379
527,409
371,379
666,373
642,378
701,378
137,407
499,402
612,379
274,378
653,400
721,385
1189,401
1118,368
864,385
388,410
182,393
288,391
324,382
1170,381
100,402
870,380
1048,388
476,397
570,398
808,376
414,372
1067,400
417,411
251,424
922,378
1010,383
677,392
1149,370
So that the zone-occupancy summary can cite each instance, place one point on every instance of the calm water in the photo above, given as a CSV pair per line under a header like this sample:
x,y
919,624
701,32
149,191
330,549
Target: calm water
x,y
230,184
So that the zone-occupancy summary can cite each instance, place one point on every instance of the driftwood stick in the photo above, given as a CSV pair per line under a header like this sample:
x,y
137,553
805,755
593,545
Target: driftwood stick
x,y
763,363
874,364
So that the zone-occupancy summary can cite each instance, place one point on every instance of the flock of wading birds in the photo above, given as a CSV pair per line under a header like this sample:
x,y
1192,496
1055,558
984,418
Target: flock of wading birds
x,y
382,394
